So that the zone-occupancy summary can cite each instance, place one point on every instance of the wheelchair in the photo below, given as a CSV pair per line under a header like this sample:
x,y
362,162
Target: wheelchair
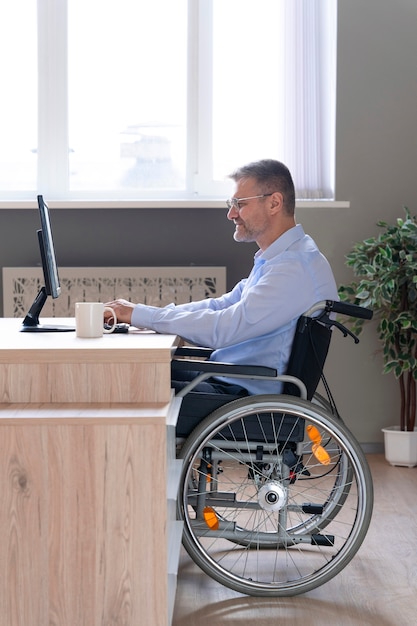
x,y
275,493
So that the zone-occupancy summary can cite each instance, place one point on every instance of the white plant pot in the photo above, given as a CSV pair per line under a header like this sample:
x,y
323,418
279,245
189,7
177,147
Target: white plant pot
x,y
400,446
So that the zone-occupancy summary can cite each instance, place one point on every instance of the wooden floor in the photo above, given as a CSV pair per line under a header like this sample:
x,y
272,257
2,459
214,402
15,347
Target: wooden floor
x,y
378,587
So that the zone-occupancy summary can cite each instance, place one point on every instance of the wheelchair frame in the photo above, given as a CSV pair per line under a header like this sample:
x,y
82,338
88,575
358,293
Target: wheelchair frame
x,y
275,493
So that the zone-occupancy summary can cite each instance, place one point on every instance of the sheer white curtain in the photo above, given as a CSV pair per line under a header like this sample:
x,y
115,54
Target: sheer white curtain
x,y
310,99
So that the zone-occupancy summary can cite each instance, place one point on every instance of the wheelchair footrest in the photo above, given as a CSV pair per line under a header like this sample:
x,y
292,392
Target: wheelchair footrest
x,y
322,540
312,509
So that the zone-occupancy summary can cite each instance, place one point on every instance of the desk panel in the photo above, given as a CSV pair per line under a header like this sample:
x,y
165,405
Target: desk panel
x,y
82,521
60,367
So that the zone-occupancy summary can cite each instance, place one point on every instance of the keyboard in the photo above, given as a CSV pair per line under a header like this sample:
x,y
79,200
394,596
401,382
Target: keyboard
x,y
119,328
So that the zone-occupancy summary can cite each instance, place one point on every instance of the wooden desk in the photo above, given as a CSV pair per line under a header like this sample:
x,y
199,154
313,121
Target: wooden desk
x,y
87,433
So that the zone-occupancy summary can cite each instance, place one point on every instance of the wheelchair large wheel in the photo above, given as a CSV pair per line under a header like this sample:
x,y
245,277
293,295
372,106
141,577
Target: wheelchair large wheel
x,y
262,477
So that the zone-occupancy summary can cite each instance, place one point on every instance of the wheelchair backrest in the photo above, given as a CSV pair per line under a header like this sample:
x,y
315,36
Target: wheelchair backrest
x,y
308,354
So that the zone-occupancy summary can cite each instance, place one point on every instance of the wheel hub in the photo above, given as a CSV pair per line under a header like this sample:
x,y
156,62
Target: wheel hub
x,y
272,496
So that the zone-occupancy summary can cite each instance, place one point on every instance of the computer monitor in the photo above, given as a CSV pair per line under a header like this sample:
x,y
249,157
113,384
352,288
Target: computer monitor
x,y
51,285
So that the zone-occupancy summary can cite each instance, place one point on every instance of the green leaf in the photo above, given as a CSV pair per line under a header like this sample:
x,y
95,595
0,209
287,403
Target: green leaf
x,y
362,295
398,371
405,323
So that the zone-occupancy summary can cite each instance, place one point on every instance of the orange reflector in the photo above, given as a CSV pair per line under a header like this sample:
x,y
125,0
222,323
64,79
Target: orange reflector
x,y
210,518
313,433
320,453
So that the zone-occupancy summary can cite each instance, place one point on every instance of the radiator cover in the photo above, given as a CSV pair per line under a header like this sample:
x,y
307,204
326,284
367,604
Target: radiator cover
x,y
156,286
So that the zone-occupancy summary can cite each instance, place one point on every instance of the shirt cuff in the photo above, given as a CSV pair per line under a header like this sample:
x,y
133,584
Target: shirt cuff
x,y
142,316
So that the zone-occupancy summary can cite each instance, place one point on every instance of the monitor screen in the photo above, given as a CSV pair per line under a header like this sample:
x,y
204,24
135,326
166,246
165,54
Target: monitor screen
x,y
52,286
49,265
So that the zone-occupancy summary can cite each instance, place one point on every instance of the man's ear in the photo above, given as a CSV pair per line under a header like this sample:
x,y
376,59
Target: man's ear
x,y
277,202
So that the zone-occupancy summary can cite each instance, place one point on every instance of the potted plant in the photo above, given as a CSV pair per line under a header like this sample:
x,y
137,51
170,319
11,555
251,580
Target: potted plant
x,y
386,270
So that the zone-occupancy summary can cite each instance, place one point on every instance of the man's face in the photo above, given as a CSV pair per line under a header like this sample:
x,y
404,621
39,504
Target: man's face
x,y
252,218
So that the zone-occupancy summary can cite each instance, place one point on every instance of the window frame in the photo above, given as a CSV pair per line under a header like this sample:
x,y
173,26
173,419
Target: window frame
x,y
53,143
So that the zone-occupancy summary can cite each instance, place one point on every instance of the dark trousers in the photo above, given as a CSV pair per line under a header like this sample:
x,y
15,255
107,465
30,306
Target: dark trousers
x,y
180,379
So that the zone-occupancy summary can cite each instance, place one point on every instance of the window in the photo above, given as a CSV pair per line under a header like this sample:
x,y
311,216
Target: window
x,y
162,99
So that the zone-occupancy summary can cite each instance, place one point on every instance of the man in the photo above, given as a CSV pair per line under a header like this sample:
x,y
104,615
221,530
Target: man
x,y
255,322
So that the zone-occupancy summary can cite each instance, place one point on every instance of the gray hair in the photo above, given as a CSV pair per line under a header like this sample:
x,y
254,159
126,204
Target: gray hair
x,y
272,176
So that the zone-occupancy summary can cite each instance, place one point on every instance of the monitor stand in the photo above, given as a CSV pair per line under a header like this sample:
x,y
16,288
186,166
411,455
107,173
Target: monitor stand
x,y
31,322
47,328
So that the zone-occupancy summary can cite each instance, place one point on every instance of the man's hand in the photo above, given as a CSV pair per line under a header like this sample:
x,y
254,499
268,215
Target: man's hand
x,y
123,310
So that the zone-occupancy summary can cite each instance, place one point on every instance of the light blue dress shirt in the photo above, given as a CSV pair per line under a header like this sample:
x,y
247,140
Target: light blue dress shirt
x,y
255,322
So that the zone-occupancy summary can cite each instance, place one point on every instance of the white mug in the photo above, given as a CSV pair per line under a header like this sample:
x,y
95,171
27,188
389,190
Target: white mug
x,y
89,319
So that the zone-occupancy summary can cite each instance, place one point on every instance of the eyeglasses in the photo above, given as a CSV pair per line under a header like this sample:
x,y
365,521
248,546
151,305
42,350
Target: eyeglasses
x,y
235,202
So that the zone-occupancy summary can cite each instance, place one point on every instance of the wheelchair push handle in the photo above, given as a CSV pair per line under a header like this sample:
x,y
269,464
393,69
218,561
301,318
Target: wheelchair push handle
x,y
352,310
326,307
344,308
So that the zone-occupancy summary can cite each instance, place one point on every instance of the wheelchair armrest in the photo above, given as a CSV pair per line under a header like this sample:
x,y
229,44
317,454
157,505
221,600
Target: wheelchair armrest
x,y
216,367
193,351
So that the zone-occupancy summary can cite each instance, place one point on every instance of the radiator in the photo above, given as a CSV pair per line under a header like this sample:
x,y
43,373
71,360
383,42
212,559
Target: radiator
x,y
149,285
